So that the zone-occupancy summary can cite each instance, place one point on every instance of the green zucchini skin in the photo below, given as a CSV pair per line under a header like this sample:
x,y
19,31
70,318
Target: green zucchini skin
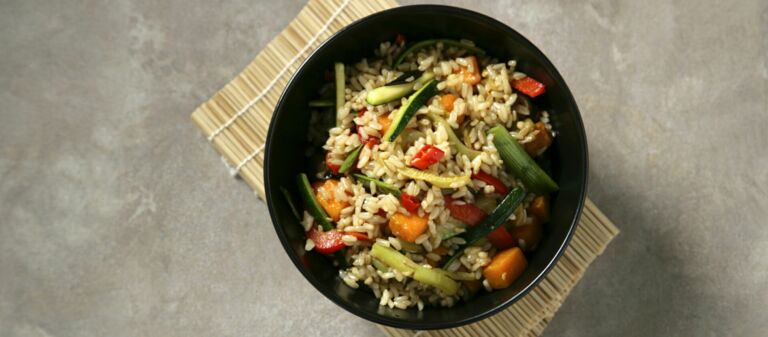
x,y
499,215
308,195
392,92
426,43
520,164
408,110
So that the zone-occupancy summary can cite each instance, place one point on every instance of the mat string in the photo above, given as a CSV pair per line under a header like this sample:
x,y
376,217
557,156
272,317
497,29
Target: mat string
x,y
280,74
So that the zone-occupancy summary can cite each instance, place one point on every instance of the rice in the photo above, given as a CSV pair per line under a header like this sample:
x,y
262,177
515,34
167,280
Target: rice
x,y
475,109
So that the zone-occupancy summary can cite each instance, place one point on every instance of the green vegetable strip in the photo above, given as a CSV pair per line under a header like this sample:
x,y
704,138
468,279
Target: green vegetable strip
x,y
321,103
520,164
384,187
288,198
427,43
313,206
338,69
436,277
350,160
408,110
389,93
499,215
452,138
436,180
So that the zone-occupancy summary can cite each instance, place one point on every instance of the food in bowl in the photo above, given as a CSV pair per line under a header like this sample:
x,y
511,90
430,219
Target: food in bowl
x,y
428,188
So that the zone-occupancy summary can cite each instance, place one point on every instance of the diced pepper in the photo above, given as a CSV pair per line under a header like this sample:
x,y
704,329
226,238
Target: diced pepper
x,y
371,141
529,86
409,202
498,186
326,242
362,112
358,235
385,122
501,238
407,227
466,213
540,142
505,268
400,39
426,157
471,77
447,101
325,192
334,168
527,237
539,208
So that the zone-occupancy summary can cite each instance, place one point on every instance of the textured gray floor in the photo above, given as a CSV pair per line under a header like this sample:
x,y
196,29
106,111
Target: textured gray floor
x,y
117,219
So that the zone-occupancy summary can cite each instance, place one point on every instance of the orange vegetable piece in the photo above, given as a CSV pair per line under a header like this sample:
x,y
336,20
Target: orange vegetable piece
x,y
539,208
473,286
540,142
447,101
527,237
407,227
471,77
325,192
505,268
385,123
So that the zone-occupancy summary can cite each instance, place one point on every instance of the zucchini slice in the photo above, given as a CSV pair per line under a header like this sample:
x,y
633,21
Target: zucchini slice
x,y
491,222
408,110
384,187
436,180
392,92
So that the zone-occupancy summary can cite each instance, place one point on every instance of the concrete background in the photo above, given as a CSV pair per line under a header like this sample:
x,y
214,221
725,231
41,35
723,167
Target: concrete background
x,y
117,219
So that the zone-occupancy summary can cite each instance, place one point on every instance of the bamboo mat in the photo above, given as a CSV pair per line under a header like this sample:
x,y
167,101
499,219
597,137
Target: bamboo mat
x,y
235,122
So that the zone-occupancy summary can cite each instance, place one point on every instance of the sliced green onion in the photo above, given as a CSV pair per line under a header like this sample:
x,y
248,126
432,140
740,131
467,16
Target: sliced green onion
x,y
380,185
338,70
435,277
305,189
520,164
436,180
350,160
427,43
452,138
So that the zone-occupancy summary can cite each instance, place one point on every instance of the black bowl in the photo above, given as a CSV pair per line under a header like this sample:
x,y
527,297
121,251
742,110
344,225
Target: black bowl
x,y
286,144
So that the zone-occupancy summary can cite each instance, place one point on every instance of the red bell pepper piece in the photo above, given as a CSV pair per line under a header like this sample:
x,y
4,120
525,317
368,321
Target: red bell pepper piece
x,y
371,141
358,235
466,213
409,202
529,86
326,242
331,166
426,157
400,39
362,112
498,186
501,238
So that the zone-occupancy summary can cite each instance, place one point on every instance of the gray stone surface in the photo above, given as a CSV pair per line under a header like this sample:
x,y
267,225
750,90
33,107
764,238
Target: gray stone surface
x,y
117,219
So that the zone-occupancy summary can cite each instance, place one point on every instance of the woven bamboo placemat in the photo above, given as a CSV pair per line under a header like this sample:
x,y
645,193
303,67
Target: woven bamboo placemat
x,y
235,121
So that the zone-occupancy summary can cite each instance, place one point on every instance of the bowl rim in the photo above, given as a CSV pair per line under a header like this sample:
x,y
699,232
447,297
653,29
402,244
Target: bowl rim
x,y
393,322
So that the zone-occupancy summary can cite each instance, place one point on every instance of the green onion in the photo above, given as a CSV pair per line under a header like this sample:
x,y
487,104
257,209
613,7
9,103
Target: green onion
x,y
350,160
338,69
427,43
436,180
288,198
452,138
380,185
313,206
520,164
435,277
491,222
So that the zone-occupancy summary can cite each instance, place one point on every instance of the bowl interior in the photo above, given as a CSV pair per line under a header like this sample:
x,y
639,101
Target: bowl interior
x,y
287,141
